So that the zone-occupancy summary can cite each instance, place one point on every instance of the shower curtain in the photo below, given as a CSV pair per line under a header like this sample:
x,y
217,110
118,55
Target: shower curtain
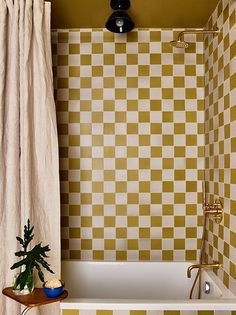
x,y
29,179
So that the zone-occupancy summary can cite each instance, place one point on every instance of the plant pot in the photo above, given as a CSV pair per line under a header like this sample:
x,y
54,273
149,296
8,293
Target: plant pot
x,y
28,288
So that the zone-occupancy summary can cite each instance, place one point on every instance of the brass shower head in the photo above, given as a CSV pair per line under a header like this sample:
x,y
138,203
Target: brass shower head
x,y
180,43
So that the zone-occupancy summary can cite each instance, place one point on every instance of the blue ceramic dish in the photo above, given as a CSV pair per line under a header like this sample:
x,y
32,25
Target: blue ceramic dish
x,y
53,293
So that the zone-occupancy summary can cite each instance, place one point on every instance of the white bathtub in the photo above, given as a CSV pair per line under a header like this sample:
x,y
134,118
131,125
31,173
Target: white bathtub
x,y
139,286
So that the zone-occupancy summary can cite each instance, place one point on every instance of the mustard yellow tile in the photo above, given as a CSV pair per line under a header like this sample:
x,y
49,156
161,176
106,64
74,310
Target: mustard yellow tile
x,y
133,198
108,83
179,198
109,221
74,94
104,312
132,36
70,312
133,244
167,186
167,116
179,244
120,93
144,140
120,71
97,187
132,128
98,210
109,152
156,244
132,59
120,117
109,198
98,255
143,48
132,82
133,175
98,233
62,60
108,36
62,83
74,164
86,244
167,93
155,59
168,163
63,37
109,244
178,59
156,221
167,255
143,71
97,71
74,210
74,117
190,70
190,255
75,254
167,70
74,232
191,140
109,59
144,255
144,163
74,71
121,255
97,48
86,198
120,140
156,152
120,48
74,140
155,36
85,37
109,105
121,233
121,187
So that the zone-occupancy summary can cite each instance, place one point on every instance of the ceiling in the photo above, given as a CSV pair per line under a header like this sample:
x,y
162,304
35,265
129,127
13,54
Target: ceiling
x,y
145,13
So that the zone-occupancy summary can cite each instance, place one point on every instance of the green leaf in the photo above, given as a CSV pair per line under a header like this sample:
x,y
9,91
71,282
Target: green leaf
x,y
19,239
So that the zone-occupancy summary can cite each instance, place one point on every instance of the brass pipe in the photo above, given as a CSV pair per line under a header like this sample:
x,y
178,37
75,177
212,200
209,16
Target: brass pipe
x,y
215,265
198,31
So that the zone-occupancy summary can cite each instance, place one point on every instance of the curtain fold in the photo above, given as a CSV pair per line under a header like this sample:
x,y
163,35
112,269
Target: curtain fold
x,y
29,170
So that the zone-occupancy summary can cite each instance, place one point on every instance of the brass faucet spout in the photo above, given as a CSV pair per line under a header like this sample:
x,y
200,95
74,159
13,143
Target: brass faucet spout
x,y
215,265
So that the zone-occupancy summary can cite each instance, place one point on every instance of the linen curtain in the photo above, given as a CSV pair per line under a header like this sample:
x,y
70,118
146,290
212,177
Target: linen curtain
x,y
29,171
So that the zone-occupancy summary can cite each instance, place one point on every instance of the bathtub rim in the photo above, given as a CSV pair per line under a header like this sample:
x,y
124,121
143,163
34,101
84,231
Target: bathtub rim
x,y
148,305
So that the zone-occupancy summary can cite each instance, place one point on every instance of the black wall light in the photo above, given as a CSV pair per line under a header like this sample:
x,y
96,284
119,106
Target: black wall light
x,y
120,21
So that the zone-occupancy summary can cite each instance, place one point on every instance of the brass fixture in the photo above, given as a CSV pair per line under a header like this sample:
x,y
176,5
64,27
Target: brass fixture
x,y
215,265
215,209
180,43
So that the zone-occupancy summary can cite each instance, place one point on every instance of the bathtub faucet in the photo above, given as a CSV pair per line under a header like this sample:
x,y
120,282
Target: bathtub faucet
x,y
215,265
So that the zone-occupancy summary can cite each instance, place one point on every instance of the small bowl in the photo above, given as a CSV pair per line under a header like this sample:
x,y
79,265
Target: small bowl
x,y
53,292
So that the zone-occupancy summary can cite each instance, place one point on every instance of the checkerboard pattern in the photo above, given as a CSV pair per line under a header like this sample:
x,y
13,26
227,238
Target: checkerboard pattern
x,y
220,87
130,114
105,312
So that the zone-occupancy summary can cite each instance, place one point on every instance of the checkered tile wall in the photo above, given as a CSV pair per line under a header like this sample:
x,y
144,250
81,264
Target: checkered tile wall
x,y
105,312
220,87
131,129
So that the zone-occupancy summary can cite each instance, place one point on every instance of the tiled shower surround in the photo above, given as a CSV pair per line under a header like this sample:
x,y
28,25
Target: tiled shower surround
x,y
220,103
131,130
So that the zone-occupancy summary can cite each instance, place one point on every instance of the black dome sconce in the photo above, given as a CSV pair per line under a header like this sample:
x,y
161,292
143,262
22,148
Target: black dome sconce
x,y
120,21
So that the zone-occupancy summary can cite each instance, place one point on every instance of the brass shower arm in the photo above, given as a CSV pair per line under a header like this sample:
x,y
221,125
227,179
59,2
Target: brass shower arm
x,y
200,31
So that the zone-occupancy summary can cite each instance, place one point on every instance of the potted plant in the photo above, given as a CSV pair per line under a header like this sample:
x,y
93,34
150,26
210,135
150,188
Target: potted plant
x,y
30,260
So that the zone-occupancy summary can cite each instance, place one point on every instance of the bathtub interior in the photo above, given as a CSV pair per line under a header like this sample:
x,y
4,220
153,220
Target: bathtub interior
x,y
135,280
